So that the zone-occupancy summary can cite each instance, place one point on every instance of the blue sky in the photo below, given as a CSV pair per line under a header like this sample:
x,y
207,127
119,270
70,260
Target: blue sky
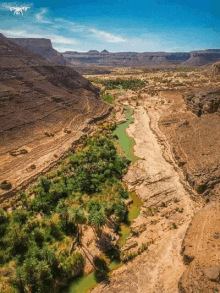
x,y
117,25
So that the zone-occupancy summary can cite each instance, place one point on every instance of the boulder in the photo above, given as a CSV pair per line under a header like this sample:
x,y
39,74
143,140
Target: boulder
x,y
6,185
212,273
187,255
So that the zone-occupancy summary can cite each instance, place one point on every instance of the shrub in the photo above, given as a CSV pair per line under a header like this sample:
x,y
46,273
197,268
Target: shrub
x,y
45,183
37,275
119,210
20,217
70,265
108,98
39,236
17,240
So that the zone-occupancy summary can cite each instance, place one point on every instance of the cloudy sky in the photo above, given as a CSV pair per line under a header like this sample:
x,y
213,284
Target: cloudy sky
x,y
116,25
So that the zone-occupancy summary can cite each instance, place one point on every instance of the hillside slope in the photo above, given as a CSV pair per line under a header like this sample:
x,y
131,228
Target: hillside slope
x,y
43,109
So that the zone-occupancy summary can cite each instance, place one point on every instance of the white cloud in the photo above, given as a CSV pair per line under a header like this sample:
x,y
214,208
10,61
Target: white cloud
x,y
62,40
19,34
40,16
107,36
24,34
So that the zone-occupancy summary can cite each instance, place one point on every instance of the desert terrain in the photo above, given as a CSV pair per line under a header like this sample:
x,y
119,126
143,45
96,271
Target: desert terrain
x,y
176,120
50,112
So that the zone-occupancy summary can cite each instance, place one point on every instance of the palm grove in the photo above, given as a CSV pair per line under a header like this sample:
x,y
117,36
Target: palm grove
x,y
39,237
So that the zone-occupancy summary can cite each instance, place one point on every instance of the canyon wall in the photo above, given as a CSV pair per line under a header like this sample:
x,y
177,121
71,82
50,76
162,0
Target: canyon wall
x,y
41,47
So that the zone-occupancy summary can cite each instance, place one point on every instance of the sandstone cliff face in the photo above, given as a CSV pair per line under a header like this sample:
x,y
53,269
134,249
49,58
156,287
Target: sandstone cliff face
x,y
44,108
41,47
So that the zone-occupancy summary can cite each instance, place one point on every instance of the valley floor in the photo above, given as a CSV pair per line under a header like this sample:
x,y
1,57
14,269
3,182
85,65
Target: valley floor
x,y
177,222
156,181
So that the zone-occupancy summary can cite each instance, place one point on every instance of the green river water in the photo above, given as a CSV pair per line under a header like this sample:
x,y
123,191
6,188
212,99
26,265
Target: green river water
x,y
86,283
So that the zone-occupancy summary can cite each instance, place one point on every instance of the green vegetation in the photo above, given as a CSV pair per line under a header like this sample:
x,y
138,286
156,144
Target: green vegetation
x,y
84,189
125,84
112,257
180,69
107,98
94,80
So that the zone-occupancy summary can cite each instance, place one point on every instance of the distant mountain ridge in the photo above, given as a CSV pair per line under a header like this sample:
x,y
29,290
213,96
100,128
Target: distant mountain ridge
x,y
41,47
193,58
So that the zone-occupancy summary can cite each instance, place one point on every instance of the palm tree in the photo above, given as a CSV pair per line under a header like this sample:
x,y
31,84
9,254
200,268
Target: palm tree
x,y
45,183
77,216
97,219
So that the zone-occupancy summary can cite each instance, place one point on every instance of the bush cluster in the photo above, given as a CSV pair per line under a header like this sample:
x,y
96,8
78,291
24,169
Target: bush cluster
x,y
125,84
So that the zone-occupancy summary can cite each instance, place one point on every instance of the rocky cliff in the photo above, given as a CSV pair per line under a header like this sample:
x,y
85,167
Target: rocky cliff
x,y
203,101
41,47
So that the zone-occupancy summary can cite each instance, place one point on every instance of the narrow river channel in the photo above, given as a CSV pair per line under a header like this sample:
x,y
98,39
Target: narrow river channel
x,y
86,283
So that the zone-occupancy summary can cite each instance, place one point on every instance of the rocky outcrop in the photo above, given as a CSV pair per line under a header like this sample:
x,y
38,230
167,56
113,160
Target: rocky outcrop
x,y
203,101
41,47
